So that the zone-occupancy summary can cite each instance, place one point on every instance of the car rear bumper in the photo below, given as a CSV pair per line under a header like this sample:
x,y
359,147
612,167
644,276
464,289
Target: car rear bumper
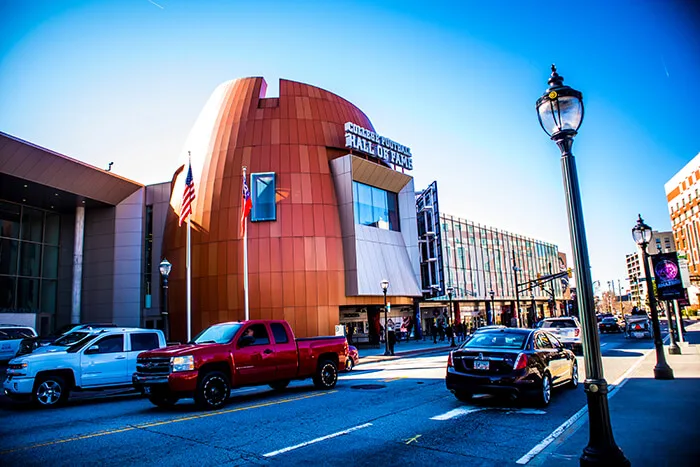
x,y
514,383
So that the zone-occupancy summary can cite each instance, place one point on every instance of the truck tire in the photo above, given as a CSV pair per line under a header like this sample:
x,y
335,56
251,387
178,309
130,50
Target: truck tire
x,y
163,399
279,385
326,375
50,391
212,391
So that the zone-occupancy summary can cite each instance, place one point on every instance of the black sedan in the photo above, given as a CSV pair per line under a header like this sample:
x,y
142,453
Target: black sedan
x,y
513,362
609,324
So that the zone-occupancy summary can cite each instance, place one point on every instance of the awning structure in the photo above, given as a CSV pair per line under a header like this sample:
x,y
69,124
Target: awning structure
x,y
30,173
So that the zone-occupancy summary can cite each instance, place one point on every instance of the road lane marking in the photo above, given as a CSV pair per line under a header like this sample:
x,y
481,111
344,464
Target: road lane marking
x,y
552,436
161,423
467,410
395,378
575,417
414,439
457,413
322,438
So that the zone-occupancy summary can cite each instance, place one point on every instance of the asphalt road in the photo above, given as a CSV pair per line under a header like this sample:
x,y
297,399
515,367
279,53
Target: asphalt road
x,y
388,413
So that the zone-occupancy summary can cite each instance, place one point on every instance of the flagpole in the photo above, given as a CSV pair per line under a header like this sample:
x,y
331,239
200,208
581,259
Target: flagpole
x,y
245,260
189,279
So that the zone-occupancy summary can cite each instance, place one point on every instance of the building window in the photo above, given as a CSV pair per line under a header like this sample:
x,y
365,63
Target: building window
x,y
29,250
375,207
263,193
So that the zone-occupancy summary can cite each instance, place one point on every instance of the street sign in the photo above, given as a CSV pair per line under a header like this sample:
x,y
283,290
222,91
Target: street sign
x,y
685,272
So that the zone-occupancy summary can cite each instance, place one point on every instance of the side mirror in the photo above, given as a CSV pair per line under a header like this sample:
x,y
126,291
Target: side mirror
x,y
245,341
92,350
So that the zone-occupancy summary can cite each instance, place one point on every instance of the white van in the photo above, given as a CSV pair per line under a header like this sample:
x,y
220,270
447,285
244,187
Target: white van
x,y
11,336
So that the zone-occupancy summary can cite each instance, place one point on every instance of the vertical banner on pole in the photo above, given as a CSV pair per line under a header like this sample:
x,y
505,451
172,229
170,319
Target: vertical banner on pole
x,y
668,276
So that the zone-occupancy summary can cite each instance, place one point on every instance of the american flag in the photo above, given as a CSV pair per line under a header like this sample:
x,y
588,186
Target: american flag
x,y
246,205
187,196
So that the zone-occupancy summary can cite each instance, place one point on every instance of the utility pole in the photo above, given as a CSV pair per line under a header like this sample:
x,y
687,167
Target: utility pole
x,y
619,289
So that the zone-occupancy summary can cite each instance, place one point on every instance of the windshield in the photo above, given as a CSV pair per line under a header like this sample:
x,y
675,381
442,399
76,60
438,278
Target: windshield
x,y
501,340
217,334
563,323
71,338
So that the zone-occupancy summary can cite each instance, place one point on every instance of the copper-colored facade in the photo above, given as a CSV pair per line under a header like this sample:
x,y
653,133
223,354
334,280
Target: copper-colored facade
x,y
296,269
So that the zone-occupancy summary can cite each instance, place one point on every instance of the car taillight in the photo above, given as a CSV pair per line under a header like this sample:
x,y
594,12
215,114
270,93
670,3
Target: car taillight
x,y
520,362
577,332
637,327
449,360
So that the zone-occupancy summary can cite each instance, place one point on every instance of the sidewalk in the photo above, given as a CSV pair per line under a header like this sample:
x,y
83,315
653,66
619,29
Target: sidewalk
x,y
655,422
403,349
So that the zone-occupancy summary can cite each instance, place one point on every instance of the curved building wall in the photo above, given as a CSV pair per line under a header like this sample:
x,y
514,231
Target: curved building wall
x,y
296,264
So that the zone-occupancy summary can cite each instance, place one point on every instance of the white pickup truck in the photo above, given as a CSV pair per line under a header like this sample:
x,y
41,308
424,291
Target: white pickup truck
x,y
91,359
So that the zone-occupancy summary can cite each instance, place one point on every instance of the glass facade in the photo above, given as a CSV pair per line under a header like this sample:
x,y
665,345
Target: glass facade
x,y
28,258
478,259
263,197
375,207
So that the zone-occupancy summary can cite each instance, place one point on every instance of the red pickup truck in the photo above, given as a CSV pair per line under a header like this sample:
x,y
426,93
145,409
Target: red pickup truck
x,y
236,354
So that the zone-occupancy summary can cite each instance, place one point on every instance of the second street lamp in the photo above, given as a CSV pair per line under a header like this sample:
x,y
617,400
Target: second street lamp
x,y
451,317
642,236
165,268
491,317
385,285
560,112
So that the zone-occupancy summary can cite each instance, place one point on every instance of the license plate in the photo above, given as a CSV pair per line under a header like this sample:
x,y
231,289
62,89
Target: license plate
x,y
146,390
638,334
481,365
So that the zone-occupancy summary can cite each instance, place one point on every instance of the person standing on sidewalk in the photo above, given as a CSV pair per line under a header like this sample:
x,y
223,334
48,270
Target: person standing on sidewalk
x,y
391,337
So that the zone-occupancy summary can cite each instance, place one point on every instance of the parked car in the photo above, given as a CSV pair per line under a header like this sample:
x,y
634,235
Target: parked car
x,y
89,359
609,324
11,336
567,329
514,362
30,344
235,354
353,358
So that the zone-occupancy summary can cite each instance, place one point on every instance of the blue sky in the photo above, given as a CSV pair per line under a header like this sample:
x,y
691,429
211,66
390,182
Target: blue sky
x,y
124,81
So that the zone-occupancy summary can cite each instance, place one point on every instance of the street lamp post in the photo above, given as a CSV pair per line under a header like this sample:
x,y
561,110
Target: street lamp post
x,y
533,318
165,268
642,236
517,294
385,285
490,318
450,290
673,348
560,112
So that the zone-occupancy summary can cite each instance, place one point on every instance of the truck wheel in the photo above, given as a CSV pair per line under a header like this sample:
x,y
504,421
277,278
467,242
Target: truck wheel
x,y
213,390
279,385
50,391
326,375
163,399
